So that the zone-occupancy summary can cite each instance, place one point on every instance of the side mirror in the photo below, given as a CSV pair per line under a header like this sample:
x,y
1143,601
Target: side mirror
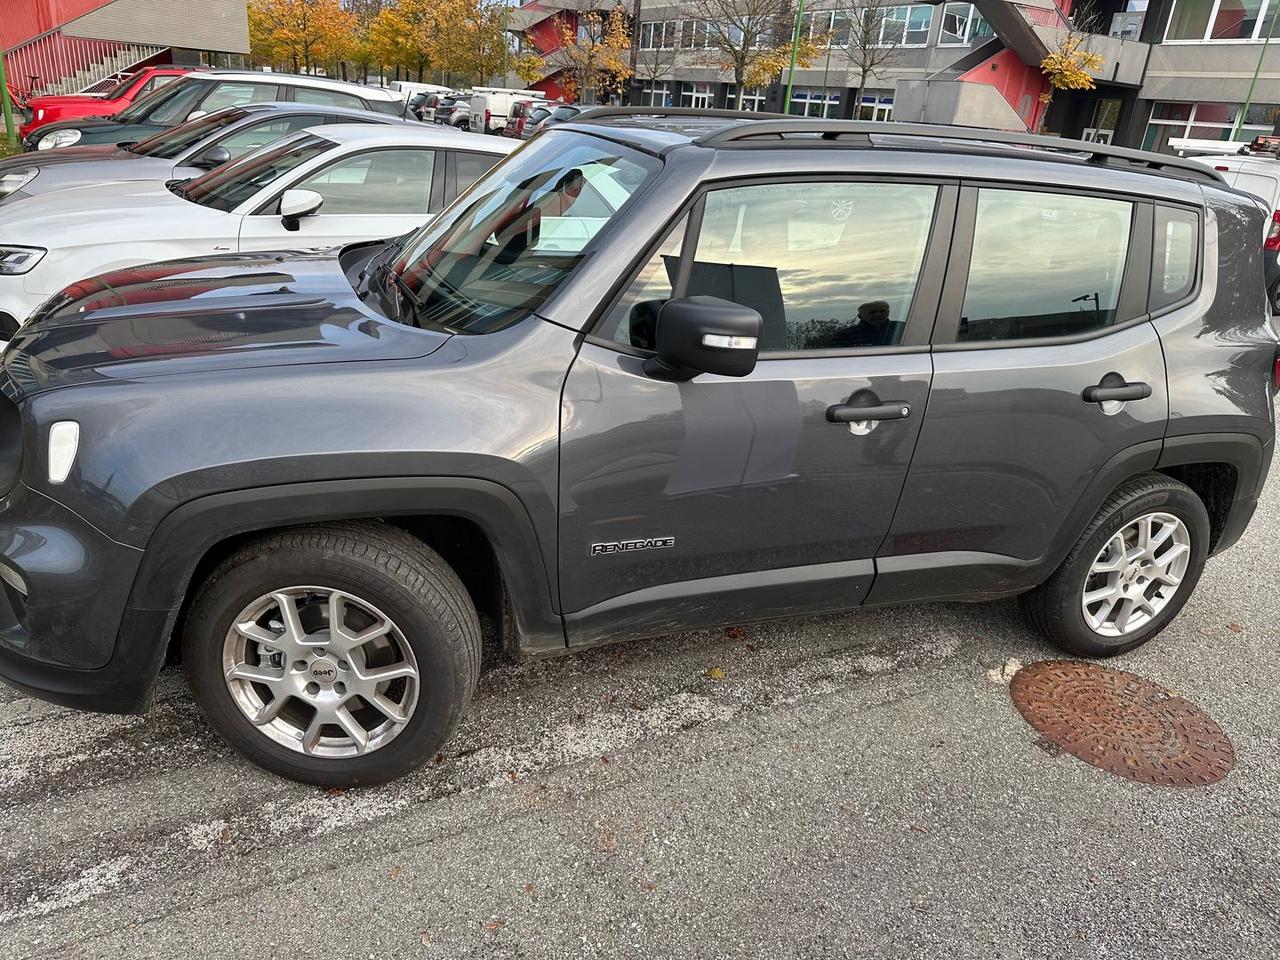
x,y
296,204
215,156
704,335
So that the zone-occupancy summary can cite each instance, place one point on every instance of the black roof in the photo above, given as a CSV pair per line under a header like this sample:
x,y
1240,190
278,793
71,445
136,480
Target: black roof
x,y
665,127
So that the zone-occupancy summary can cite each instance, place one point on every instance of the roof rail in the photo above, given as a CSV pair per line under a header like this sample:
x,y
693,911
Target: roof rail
x,y
829,130
775,126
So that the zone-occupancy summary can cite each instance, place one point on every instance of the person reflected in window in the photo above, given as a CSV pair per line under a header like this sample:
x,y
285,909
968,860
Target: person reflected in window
x,y
871,329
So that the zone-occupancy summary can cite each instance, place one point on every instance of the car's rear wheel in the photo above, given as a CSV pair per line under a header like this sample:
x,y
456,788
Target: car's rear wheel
x,y
1129,573
336,655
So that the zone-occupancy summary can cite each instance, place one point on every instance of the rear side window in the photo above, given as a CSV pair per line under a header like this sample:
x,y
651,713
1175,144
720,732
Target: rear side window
x,y
1044,265
393,108
1173,261
472,166
829,266
328,98
381,182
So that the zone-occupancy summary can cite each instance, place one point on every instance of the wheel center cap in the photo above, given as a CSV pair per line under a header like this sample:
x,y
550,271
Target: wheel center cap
x,y
324,671
1131,574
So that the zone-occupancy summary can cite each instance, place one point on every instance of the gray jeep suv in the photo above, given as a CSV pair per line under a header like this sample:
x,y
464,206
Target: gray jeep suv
x,y
652,373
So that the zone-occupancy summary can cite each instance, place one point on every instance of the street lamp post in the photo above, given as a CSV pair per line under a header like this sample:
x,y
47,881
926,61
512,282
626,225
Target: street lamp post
x,y
795,44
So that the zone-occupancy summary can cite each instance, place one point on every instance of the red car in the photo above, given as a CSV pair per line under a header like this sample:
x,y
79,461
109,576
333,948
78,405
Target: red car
x,y
38,111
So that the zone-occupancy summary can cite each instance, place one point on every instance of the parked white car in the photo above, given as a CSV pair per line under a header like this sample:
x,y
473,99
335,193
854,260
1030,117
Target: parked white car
x,y
315,189
490,106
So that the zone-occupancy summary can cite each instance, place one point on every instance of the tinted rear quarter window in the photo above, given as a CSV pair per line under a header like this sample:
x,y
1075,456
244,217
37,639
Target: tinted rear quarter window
x,y
1044,265
1173,261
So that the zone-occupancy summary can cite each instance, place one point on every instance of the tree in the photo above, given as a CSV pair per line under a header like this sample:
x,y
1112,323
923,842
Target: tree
x,y
594,54
874,42
655,66
300,33
750,39
1067,67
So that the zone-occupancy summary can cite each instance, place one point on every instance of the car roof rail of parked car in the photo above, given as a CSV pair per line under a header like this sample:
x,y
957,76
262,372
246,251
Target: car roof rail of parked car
x,y
762,129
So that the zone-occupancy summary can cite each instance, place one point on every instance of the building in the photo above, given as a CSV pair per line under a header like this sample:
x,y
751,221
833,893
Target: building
x,y
65,46
1171,68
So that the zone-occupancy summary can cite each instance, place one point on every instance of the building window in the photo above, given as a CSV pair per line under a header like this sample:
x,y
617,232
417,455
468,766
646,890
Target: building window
x,y
1219,21
1206,121
876,106
962,24
696,95
646,35
752,98
655,94
815,102
905,26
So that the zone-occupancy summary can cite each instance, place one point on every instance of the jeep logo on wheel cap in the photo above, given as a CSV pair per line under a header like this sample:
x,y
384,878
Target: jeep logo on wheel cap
x,y
324,671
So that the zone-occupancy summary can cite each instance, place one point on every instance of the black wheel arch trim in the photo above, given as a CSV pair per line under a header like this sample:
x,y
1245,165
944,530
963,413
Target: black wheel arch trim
x,y
190,531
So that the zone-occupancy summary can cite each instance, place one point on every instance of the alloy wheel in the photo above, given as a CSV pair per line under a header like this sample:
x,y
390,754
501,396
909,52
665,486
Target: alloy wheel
x,y
1135,574
321,671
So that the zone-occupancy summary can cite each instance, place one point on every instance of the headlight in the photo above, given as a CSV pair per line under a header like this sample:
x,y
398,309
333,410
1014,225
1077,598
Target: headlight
x,y
16,260
15,180
58,138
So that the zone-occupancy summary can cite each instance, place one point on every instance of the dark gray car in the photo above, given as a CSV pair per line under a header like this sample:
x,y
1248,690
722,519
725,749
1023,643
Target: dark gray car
x,y
649,374
177,153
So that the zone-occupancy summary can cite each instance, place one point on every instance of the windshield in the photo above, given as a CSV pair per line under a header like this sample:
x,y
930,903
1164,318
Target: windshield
x,y
539,115
184,90
505,246
169,143
232,184
565,113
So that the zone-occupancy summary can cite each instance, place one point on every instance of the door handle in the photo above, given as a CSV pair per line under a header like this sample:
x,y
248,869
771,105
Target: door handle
x,y
848,413
1114,387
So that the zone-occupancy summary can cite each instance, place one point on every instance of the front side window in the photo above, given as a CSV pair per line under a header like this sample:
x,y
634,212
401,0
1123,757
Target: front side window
x,y
633,319
237,95
1044,265
233,183
253,136
169,104
380,182
827,265
169,143
1173,261
519,232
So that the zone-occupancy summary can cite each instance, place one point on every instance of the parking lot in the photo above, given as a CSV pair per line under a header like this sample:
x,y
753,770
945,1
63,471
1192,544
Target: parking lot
x,y
853,786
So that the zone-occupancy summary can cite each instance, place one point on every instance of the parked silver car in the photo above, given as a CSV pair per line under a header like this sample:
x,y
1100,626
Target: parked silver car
x,y
177,153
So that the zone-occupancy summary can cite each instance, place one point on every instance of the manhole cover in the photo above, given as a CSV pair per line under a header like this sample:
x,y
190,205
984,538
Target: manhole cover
x,y
1122,724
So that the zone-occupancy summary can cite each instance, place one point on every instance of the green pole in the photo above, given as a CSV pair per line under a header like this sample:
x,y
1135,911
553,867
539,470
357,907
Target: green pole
x,y
795,43
10,131
826,69
1248,100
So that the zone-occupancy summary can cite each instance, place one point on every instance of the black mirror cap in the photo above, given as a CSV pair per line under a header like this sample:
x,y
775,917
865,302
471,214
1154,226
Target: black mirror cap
x,y
697,335
212,158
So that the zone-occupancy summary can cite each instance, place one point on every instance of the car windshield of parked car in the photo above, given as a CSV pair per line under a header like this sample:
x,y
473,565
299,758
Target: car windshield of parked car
x,y
232,184
513,238
119,89
184,89
565,113
538,115
169,143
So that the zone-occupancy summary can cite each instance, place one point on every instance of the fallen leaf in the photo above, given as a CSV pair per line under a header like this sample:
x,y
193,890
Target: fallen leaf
x,y
1004,673
604,759
512,775
735,633
916,828
647,885
1234,627
494,924
225,836
333,791
606,840
530,887
716,674
395,873
440,757
426,938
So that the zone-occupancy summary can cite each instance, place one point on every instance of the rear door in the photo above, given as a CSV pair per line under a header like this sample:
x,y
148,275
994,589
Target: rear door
x,y
724,498
367,196
1045,302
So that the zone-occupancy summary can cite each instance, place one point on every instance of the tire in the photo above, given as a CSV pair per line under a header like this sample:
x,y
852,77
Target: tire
x,y
429,626
1055,608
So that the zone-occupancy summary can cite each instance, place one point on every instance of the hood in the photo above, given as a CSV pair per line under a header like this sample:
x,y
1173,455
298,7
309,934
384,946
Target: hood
x,y
83,124
138,209
92,165
45,158
241,311
69,100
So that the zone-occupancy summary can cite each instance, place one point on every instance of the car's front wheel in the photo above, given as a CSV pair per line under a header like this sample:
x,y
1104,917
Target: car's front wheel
x,y
1130,572
337,655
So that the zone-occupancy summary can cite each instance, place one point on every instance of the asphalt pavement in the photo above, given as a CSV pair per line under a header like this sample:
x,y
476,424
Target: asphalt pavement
x,y
854,786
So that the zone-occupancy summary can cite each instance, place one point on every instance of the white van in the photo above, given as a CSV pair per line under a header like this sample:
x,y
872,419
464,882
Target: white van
x,y
1255,169
407,88
490,106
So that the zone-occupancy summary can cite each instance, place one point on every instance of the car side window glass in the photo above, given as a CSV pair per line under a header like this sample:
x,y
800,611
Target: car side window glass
x,y
470,167
633,318
828,265
257,135
173,107
1044,265
237,95
1173,261
380,182
329,98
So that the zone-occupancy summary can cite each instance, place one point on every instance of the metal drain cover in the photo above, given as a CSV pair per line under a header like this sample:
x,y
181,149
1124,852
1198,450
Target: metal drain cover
x,y
1121,723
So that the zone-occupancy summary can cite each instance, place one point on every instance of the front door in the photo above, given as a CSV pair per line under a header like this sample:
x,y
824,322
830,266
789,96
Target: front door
x,y
367,196
1049,382
721,498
